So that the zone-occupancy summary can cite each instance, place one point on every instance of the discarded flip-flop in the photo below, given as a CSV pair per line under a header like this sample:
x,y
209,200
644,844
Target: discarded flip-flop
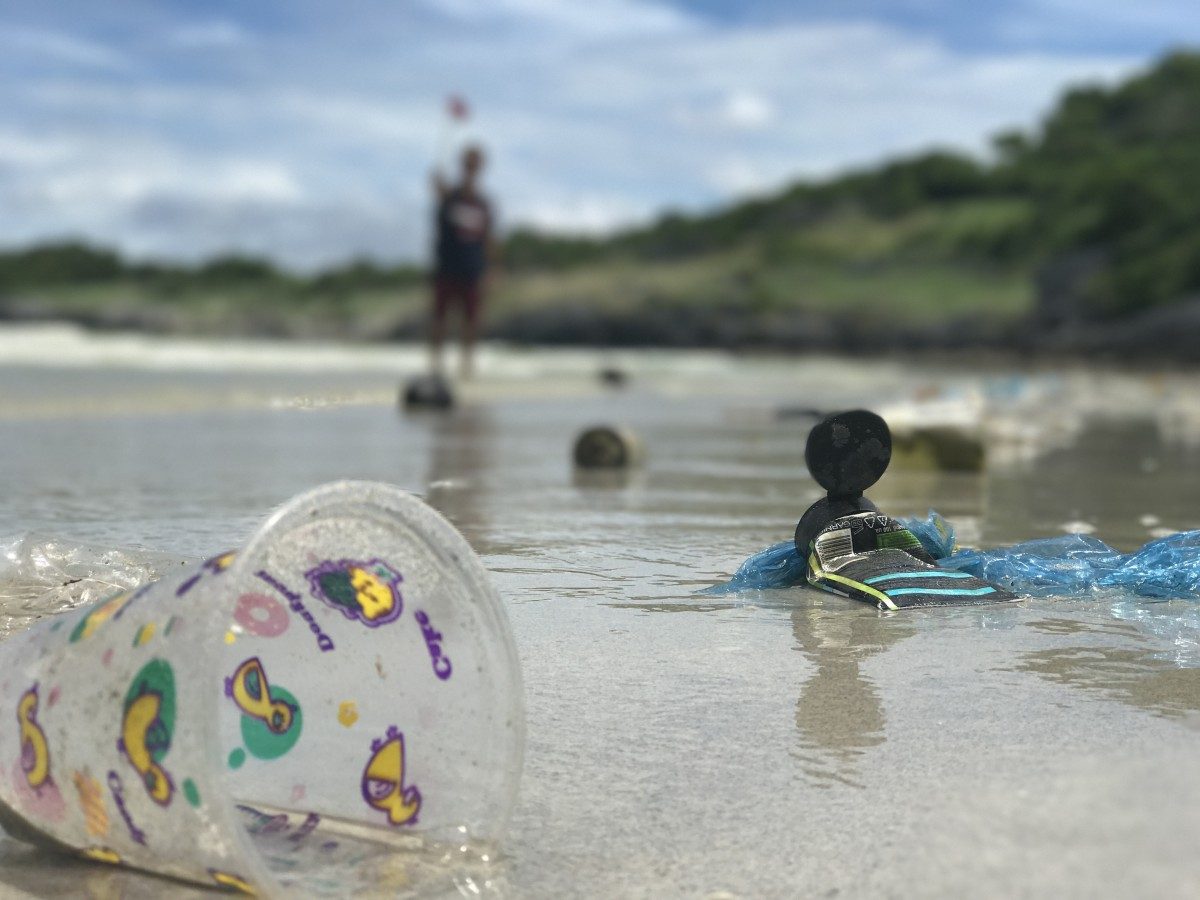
x,y
852,549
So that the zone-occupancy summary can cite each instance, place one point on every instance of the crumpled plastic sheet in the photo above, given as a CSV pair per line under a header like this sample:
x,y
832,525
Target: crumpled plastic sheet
x,y
42,576
1077,564
936,535
778,566
1073,565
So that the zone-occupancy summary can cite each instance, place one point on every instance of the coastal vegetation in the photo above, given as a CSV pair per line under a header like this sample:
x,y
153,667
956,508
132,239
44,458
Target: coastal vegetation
x,y
1092,218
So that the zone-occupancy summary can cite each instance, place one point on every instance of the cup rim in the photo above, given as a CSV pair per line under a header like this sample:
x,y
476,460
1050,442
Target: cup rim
x,y
392,502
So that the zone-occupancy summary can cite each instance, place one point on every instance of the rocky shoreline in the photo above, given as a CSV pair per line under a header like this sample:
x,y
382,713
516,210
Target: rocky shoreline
x,y
1170,334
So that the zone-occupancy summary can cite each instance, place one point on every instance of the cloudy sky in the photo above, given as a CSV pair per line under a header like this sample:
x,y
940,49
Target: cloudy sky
x,y
305,129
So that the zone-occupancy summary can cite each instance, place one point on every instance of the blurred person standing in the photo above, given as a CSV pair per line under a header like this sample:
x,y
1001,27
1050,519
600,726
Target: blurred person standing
x,y
464,252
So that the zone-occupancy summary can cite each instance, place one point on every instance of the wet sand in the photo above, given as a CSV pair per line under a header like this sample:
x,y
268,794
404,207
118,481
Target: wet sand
x,y
767,744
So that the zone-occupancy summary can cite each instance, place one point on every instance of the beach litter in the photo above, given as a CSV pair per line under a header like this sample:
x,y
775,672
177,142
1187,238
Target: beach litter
x,y
608,447
1071,565
431,392
852,549
334,709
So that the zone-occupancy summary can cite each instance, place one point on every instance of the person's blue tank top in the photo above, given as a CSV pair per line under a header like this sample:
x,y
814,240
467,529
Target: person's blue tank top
x,y
463,224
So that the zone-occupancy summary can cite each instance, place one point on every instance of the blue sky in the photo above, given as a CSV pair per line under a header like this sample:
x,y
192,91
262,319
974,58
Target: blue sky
x,y
305,130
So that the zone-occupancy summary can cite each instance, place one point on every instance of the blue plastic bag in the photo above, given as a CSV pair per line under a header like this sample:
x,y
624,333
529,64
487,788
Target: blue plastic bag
x,y
935,534
1073,565
779,566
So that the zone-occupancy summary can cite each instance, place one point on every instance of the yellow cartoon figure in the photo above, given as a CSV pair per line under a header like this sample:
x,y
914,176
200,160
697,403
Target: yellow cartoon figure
x,y
35,752
248,688
374,595
147,726
368,592
138,740
233,882
100,614
102,854
222,562
383,781
91,800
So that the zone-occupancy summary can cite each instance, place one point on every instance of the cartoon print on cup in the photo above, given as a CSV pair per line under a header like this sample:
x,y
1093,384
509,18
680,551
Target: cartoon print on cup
x,y
368,592
383,780
91,802
102,854
214,566
260,615
232,882
433,642
98,615
107,610
249,689
35,751
147,727
31,779
271,716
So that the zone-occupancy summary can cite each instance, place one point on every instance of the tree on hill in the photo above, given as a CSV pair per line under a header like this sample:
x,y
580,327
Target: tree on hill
x,y
69,262
1115,174
1103,200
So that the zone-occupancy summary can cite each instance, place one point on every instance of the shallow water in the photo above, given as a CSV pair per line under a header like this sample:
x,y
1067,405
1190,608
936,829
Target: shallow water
x,y
766,744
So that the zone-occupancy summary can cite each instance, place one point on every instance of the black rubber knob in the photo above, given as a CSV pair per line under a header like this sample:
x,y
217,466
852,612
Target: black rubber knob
x,y
848,452
821,513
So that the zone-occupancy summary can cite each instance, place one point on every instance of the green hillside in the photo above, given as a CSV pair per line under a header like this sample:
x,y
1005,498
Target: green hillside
x,y
1094,216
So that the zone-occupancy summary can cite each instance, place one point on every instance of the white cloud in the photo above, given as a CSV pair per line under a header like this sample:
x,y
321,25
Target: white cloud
x,y
746,110
739,110
115,173
1176,19
596,19
56,47
581,215
212,35
317,147
399,122
33,152
738,176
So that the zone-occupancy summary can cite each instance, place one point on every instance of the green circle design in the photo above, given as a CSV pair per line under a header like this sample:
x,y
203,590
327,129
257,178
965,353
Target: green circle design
x,y
191,792
156,677
236,758
261,741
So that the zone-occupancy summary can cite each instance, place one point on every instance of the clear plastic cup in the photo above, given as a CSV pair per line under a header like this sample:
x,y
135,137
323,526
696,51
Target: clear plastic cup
x,y
337,709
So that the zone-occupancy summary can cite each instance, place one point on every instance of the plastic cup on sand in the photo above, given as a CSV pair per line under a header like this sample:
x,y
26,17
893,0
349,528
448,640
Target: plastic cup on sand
x,y
334,710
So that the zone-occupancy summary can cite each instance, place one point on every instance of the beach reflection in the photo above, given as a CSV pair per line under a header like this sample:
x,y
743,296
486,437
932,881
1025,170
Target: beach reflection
x,y
1118,666
839,713
461,458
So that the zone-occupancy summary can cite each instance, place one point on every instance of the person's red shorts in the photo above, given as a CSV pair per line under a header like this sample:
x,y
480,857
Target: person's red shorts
x,y
466,293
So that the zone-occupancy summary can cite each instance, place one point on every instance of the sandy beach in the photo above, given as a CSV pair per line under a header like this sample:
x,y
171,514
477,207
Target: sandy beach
x,y
765,744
